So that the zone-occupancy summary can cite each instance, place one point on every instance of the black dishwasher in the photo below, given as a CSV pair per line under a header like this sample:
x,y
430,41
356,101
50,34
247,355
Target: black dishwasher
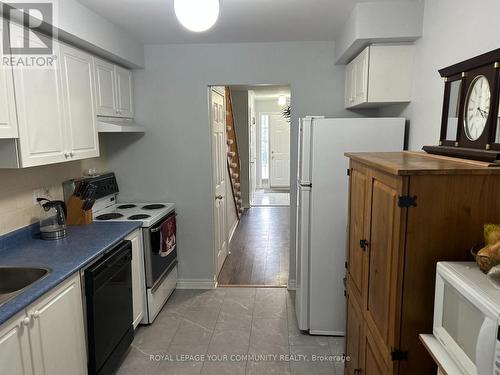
x,y
108,294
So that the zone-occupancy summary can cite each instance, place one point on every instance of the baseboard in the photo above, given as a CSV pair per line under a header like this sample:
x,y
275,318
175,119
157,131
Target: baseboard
x,y
292,284
195,284
233,229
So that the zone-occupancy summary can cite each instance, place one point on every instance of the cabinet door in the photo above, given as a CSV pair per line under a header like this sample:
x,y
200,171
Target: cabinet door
x,y
138,278
354,337
14,346
39,109
8,118
383,280
79,102
105,83
57,334
349,85
357,231
124,90
372,363
361,81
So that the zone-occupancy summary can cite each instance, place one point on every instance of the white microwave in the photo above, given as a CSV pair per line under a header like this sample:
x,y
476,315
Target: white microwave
x,y
467,317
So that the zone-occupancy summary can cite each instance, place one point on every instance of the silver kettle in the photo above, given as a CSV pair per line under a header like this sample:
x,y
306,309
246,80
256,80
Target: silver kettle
x,y
52,219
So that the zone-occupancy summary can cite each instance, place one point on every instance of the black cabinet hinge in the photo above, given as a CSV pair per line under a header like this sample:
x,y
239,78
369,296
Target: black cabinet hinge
x,y
405,201
346,266
348,171
399,355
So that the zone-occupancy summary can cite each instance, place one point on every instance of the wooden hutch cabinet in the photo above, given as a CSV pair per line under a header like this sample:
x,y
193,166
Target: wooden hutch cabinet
x,y
407,211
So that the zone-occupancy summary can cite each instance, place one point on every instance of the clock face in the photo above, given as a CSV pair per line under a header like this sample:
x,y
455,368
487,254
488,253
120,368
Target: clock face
x,y
477,107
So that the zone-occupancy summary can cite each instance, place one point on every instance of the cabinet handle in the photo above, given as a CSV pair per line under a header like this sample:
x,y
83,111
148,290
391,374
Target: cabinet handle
x,y
36,314
71,154
357,371
66,155
363,244
26,321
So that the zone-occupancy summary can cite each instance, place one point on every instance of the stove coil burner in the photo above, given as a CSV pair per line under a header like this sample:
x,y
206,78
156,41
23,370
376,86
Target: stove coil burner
x,y
110,216
125,206
153,206
139,217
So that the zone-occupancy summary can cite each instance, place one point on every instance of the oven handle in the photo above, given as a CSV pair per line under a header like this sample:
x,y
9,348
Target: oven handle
x,y
158,228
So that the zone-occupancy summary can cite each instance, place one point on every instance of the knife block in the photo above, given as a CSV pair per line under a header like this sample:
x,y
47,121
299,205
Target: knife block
x,y
77,216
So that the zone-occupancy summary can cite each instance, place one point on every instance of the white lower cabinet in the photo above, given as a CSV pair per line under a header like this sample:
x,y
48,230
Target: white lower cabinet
x,y
15,353
48,338
138,278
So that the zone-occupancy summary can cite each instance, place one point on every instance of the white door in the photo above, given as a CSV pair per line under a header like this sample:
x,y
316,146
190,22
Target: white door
x,y
8,118
219,155
280,151
79,102
124,92
57,335
105,88
39,109
138,278
253,160
15,347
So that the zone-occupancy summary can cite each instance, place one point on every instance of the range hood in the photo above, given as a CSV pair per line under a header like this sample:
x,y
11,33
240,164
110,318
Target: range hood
x,y
119,125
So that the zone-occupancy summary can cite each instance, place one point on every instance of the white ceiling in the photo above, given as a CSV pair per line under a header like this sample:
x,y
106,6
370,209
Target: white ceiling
x,y
154,21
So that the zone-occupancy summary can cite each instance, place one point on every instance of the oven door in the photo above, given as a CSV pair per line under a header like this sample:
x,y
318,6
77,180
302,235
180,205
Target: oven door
x,y
156,265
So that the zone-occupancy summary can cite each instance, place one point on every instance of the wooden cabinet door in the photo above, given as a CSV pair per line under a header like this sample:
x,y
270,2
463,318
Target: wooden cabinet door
x,y
105,82
8,117
15,347
357,230
354,336
79,103
124,90
372,358
40,109
383,273
138,278
57,335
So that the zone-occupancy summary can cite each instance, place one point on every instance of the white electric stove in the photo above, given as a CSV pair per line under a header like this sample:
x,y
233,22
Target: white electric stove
x,y
147,213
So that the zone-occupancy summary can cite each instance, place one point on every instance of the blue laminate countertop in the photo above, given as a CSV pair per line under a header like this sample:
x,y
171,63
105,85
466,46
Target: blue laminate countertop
x,y
64,257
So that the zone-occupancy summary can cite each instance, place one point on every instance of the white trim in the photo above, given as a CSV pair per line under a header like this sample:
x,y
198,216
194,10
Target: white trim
x,y
292,284
231,232
326,333
196,284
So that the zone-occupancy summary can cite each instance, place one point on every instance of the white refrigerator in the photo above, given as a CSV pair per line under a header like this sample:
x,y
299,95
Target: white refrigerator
x,y
322,211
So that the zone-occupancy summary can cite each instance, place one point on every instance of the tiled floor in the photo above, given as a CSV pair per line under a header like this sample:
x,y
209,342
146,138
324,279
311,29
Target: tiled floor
x,y
271,198
259,249
230,331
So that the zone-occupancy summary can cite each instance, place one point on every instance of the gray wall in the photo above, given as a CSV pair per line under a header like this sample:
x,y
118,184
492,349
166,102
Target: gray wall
x,y
446,40
240,111
172,161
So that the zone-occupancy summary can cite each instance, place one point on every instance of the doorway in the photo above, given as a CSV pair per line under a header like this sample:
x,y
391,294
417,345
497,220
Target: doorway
x,y
258,203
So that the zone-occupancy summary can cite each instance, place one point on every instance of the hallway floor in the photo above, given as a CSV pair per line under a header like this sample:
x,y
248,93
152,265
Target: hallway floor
x,y
271,198
259,249
231,331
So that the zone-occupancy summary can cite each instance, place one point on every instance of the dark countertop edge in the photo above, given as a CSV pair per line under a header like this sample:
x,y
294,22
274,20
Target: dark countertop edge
x,y
43,286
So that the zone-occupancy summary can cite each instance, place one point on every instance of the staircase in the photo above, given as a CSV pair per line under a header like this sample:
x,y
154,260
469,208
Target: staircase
x,y
233,157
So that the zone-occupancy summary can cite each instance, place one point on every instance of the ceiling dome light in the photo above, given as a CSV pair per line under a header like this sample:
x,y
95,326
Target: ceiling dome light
x,y
197,15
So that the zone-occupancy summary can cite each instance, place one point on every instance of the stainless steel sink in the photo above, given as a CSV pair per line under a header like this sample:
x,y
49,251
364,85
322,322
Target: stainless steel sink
x,y
13,280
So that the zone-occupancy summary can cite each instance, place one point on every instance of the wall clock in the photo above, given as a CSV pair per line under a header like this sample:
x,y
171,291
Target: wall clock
x,y
470,124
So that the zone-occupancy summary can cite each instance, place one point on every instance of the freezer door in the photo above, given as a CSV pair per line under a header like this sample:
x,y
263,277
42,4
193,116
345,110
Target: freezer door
x,y
304,164
302,257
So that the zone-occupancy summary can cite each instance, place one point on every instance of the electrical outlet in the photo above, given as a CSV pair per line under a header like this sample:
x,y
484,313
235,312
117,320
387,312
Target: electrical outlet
x,y
41,193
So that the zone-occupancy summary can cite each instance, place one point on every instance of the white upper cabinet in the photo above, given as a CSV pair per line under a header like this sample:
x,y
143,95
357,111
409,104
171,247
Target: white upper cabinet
x,y
124,90
114,90
379,75
8,118
42,138
79,103
105,88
